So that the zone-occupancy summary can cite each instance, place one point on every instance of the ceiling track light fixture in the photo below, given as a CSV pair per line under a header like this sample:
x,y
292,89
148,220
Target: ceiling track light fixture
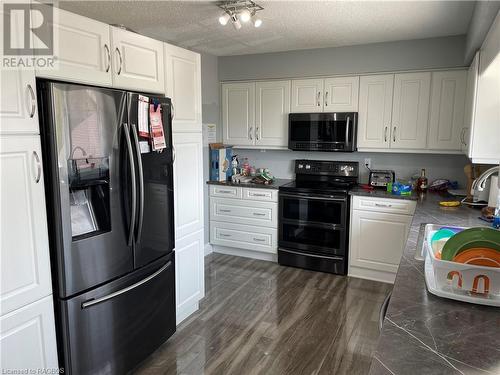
x,y
239,11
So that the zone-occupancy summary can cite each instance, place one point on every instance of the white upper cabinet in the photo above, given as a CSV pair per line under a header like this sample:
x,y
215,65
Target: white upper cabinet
x,y
183,86
82,50
18,107
137,62
341,94
188,183
410,110
238,113
307,95
375,108
25,264
486,130
466,135
272,109
447,109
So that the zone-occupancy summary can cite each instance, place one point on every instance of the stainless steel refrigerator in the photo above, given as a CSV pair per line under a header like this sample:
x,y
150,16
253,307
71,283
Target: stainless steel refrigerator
x,y
111,224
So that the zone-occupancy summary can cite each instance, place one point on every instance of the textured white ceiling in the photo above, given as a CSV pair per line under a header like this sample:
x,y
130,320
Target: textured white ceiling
x,y
288,25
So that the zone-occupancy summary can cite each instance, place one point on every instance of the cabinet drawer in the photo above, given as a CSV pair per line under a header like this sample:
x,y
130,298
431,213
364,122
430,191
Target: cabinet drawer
x,y
242,212
398,206
244,236
259,194
225,191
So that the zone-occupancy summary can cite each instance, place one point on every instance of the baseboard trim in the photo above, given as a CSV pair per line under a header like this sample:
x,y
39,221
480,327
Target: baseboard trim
x,y
374,275
208,249
245,253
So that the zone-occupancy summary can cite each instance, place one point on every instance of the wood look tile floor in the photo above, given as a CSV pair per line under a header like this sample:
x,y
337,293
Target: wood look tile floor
x,y
262,318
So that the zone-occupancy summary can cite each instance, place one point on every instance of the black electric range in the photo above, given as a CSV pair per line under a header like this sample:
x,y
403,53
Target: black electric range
x,y
314,215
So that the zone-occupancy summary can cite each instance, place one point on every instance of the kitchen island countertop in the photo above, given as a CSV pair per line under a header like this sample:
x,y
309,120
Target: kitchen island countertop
x,y
426,334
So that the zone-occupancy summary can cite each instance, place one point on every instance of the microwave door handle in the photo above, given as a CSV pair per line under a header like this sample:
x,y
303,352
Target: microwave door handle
x,y
347,129
141,183
134,184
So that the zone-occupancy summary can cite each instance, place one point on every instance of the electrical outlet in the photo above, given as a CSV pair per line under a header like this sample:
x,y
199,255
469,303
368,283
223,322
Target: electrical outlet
x,y
368,162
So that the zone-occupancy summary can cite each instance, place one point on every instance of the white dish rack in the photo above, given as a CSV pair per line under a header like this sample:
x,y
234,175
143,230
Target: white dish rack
x,y
463,282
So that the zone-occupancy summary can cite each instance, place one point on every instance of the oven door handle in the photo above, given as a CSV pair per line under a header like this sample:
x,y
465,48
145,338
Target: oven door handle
x,y
313,197
312,255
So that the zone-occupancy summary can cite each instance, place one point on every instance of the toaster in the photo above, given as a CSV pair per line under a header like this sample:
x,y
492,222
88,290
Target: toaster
x,y
380,178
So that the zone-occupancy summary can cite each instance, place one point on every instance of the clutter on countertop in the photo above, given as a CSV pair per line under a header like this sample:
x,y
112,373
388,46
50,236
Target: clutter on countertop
x,y
399,188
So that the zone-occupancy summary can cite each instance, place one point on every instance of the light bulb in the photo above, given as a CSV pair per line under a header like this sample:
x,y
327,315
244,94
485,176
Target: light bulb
x,y
257,22
236,22
224,18
245,15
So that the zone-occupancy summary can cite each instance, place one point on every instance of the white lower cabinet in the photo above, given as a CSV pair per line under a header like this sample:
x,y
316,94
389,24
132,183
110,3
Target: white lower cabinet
x,y
244,219
189,274
28,339
25,263
378,237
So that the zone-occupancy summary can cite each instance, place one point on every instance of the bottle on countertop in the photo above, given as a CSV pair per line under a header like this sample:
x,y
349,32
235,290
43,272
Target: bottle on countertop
x,y
422,182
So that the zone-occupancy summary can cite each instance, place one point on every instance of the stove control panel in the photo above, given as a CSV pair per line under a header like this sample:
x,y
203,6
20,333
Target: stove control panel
x,y
327,167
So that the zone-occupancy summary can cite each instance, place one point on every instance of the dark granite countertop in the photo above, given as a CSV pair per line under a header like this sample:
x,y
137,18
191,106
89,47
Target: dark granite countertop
x,y
275,185
380,193
426,334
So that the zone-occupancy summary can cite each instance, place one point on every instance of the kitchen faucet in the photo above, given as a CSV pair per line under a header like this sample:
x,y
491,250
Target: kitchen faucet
x,y
480,183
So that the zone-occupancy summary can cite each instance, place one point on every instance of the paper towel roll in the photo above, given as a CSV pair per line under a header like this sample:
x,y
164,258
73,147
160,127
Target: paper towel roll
x,y
492,199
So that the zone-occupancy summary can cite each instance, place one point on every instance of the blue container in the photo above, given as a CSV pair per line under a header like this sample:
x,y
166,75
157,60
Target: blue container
x,y
220,162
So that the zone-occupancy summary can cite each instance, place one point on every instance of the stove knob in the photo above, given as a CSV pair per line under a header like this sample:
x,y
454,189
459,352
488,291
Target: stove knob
x,y
308,166
301,166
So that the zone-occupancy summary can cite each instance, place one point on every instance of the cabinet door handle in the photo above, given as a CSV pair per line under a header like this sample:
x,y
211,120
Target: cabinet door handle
x,y
38,167
383,205
385,134
225,211
319,95
258,214
250,133
257,130
257,195
32,99
117,50
326,99
108,57
224,191
259,239
394,135
224,235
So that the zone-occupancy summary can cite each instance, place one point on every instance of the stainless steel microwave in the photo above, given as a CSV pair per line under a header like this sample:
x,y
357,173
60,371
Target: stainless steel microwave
x,y
334,131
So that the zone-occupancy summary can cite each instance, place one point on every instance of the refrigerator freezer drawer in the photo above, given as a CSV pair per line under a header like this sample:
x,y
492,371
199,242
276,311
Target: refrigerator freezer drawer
x,y
113,328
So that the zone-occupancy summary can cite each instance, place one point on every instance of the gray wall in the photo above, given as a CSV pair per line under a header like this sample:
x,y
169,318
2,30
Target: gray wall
x,y
280,162
482,18
210,115
378,57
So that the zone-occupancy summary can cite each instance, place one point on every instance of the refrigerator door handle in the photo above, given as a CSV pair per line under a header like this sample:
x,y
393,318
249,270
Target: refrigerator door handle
x,y
134,184
96,301
141,182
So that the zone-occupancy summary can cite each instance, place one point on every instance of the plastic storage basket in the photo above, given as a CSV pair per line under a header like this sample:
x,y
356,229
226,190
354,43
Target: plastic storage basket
x,y
463,282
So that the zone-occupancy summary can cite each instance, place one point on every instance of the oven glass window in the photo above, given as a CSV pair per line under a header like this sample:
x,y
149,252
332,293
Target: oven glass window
x,y
318,129
322,211
327,239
